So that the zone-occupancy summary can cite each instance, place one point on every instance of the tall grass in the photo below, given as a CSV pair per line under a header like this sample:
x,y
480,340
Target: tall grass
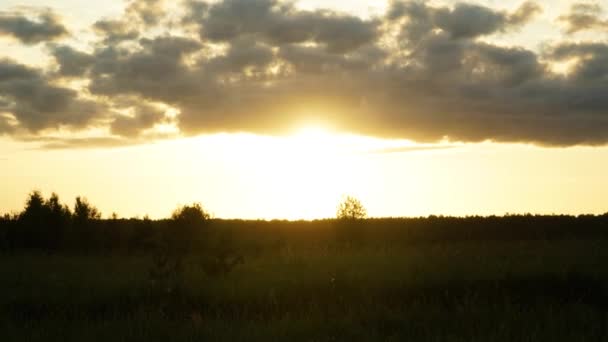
x,y
525,290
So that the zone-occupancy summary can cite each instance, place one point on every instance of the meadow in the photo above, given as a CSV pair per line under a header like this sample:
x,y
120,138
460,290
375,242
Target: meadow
x,y
512,278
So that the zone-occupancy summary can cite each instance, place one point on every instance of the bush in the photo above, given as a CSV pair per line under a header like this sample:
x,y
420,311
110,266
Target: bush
x,y
188,227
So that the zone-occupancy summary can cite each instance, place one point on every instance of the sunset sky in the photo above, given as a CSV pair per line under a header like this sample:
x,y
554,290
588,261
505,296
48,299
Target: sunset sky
x,y
275,109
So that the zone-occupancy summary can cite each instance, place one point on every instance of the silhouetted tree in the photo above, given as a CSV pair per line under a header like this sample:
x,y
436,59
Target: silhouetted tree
x,y
188,226
57,219
351,209
33,213
190,214
84,211
43,223
5,230
349,228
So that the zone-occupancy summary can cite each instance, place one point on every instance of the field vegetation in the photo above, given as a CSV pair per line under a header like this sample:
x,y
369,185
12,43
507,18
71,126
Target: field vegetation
x,y
69,275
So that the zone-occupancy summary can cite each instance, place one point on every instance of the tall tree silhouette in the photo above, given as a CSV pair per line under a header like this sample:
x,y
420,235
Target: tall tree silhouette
x,y
84,211
351,209
44,223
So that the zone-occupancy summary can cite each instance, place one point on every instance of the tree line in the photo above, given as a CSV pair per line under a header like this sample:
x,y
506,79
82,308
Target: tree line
x,y
46,224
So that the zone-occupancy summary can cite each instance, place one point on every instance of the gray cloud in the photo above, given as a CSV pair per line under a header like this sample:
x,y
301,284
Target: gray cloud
x,y
244,53
584,16
280,23
71,62
156,71
196,10
280,66
5,127
592,67
524,13
447,85
61,143
145,116
37,104
115,31
138,16
150,12
464,20
46,27
468,21
315,60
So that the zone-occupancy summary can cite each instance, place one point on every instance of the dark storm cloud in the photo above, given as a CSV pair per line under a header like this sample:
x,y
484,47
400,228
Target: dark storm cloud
x,y
584,16
419,72
46,27
37,104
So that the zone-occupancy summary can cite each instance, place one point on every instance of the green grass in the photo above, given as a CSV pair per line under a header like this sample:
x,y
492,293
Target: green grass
x,y
457,291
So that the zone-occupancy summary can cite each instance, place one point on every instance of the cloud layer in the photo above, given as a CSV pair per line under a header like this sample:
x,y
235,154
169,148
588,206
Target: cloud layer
x,y
45,27
419,72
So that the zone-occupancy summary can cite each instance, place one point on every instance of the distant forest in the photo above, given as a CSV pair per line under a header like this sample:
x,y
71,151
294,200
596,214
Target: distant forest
x,y
48,225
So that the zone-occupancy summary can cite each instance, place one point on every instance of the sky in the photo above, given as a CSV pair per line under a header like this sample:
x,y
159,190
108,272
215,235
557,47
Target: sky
x,y
268,109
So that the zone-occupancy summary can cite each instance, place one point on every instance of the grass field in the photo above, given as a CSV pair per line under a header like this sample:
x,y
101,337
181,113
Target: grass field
x,y
524,290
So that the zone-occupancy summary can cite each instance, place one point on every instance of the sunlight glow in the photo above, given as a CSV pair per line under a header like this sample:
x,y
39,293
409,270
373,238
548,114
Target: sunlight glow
x,y
312,132
300,176
564,68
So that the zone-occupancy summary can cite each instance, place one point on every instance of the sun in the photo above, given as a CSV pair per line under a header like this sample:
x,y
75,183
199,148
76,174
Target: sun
x,y
312,132
299,175
305,169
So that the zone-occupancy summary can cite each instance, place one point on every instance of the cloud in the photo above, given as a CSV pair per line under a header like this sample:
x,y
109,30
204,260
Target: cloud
x,y
145,116
37,104
464,20
583,17
71,62
5,126
242,54
592,66
138,16
115,31
419,72
61,143
46,27
150,12
524,14
155,71
280,23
